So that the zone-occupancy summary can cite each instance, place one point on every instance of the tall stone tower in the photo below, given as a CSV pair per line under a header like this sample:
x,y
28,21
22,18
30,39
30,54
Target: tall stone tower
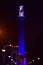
x,y
21,30
21,48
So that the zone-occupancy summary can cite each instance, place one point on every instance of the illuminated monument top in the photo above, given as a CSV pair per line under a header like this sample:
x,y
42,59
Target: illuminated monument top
x,y
21,13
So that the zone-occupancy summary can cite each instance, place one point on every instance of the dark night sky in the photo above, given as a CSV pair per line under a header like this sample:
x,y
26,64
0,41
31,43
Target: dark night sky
x,y
33,23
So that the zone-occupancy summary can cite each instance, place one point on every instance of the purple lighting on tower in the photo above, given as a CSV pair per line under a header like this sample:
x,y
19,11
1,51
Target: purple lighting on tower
x,y
21,35
24,63
21,30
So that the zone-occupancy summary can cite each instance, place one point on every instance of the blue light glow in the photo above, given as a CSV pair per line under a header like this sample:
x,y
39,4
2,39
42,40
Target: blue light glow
x,y
21,39
21,19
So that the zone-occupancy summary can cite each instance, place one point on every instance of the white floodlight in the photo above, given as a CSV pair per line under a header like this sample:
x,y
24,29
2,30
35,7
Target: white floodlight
x,y
11,59
38,58
3,50
9,56
10,45
33,60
